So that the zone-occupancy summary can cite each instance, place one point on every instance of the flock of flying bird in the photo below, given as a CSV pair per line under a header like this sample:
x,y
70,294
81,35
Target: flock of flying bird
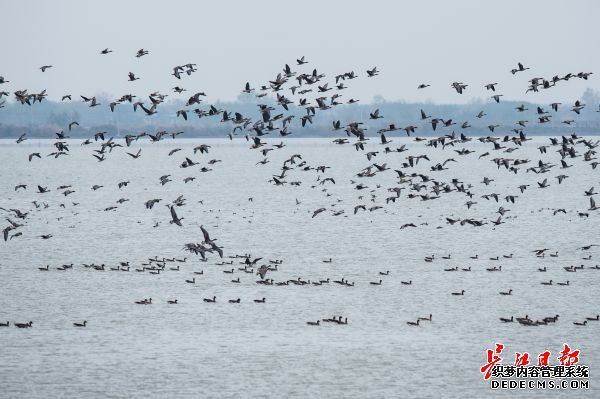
x,y
417,175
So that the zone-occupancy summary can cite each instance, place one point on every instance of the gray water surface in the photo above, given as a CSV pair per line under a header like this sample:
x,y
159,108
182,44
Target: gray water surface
x,y
198,349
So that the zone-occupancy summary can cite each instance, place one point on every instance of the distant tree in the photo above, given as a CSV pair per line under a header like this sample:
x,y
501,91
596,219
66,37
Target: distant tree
x,y
378,99
58,118
74,116
591,97
246,98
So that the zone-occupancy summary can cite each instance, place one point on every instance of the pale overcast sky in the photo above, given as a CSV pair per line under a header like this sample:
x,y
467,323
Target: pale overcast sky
x,y
412,42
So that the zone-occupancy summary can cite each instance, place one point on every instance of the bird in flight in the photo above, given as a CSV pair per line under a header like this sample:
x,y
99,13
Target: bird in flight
x,y
174,218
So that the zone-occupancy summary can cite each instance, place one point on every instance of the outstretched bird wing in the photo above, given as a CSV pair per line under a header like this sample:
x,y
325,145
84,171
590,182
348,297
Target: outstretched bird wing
x,y
205,233
176,220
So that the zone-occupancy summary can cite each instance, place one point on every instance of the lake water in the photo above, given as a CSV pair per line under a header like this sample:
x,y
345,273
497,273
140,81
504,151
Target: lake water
x,y
198,349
